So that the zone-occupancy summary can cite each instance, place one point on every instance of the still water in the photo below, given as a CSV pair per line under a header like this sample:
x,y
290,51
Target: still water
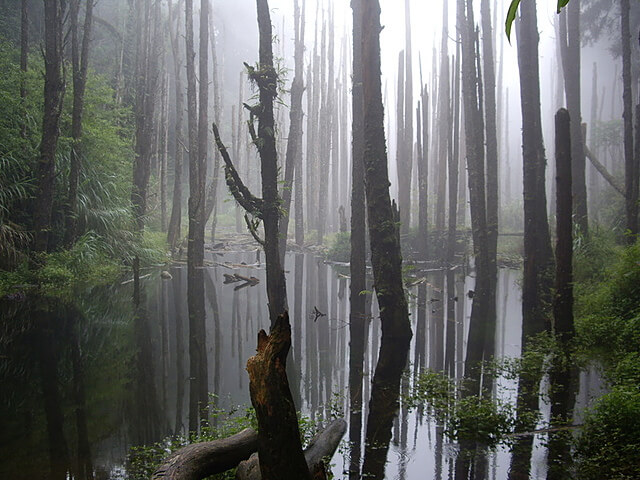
x,y
82,382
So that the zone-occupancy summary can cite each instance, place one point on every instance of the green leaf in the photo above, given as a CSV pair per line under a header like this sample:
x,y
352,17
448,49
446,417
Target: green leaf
x,y
511,15
561,4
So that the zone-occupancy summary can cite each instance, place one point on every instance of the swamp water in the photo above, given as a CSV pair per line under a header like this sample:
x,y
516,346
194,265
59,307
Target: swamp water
x,y
83,383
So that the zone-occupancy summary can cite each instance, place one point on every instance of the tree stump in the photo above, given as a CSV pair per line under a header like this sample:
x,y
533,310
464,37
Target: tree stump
x,y
279,445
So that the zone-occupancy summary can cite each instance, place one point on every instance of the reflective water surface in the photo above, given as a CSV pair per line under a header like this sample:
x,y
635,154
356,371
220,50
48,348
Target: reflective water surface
x,y
82,382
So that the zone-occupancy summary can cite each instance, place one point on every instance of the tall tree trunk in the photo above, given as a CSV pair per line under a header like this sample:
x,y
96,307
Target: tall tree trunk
x,y
453,170
563,374
175,222
570,50
357,298
538,262
630,173
294,142
146,86
53,96
404,184
385,252
80,64
423,179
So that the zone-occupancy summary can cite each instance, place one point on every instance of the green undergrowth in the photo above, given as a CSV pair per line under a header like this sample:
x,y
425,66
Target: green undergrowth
x,y
91,262
608,333
143,461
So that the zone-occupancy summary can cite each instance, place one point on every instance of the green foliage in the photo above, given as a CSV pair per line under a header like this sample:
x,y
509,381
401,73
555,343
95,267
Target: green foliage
x,y
513,8
608,445
465,417
340,247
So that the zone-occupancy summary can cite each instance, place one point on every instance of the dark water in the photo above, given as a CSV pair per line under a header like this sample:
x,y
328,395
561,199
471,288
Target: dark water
x,y
83,382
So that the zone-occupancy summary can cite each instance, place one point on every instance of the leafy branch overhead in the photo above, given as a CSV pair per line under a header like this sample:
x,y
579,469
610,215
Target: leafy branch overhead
x,y
513,8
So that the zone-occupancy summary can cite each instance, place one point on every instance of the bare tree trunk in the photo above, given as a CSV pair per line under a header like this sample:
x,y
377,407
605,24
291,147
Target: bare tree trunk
x,y
630,173
163,146
294,142
570,50
357,260
385,253
538,263
175,222
563,376
423,179
53,97
404,182
146,85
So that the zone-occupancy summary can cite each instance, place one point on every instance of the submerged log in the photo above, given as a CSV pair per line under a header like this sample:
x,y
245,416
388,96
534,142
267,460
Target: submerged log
x,y
200,460
321,447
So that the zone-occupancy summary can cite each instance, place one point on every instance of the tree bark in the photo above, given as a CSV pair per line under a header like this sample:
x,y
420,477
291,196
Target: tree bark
x,y
294,142
630,173
563,374
385,251
24,59
271,398
570,50
53,97
200,460
357,259
320,449
175,221
538,263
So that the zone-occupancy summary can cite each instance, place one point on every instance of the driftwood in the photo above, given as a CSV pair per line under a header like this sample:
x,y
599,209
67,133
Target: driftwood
x,y
200,460
322,447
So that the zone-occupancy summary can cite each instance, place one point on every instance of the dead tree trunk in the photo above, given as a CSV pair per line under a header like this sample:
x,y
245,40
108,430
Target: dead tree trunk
x,y
538,261
267,207
175,222
385,250
563,374
404,183
273,403
570,51
201,460
53,96
630,172
294,142
24,60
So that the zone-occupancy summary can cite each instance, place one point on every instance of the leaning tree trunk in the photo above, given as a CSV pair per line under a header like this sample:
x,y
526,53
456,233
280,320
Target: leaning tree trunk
x,y
53,95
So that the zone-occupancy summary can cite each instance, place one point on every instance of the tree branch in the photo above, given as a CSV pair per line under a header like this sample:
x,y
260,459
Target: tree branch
x,y
240,192
252,225
603,171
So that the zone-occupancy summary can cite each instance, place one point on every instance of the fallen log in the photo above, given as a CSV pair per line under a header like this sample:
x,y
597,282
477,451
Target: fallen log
x,y
200,460
604,172
321,447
